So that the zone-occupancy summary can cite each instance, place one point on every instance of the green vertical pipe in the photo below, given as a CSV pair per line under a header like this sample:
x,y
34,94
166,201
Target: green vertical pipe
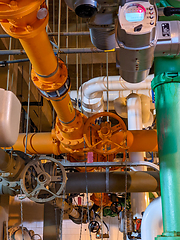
x,y
167,101
166,85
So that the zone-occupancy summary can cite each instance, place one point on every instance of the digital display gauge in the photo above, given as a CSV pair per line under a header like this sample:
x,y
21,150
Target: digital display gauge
x,y
135,13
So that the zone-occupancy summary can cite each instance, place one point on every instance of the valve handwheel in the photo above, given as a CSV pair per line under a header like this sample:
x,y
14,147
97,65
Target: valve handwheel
x,y
101,137
43,179
94,226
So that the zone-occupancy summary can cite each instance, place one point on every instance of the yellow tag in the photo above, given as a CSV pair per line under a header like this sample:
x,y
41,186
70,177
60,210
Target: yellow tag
x,y
70,106
112,50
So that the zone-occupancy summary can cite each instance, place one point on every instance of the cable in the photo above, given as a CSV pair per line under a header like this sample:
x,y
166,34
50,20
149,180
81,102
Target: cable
x,y
97,215
168,11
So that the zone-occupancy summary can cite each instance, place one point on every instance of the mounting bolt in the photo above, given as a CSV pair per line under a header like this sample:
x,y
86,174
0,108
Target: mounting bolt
x,y
13,3
29,28
35,79
12,28
42,13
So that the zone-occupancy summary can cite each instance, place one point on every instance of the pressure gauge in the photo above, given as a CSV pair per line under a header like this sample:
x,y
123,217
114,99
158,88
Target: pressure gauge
x,y
135,13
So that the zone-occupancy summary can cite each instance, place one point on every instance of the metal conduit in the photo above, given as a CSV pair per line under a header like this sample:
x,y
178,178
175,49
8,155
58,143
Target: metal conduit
x,y
56,34
3,63
96,181
111,164
62,51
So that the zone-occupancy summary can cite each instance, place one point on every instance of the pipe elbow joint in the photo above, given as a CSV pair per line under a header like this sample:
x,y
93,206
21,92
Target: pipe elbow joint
x,y
24,19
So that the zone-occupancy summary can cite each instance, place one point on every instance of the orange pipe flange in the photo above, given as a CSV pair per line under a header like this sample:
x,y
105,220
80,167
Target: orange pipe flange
x,y
71,138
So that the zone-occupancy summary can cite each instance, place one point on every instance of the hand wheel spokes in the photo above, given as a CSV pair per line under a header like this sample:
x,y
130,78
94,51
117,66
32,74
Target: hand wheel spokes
x,y
46,179
103,138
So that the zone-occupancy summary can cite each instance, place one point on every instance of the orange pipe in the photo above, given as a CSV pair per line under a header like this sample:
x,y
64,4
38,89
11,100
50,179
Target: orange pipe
x,y
47,143
144,141
49,74
39,51
36,143
19,19
65,110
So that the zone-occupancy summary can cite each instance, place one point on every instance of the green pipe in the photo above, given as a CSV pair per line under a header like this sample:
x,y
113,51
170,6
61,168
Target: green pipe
x,y
166,86
167,96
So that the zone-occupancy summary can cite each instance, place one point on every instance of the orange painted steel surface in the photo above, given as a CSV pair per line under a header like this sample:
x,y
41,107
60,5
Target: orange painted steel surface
x,y
144,141
20,20
101,138
72,138
36,143
65,111
48,143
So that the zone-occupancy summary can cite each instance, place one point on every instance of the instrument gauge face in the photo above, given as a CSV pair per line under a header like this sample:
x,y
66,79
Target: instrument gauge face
x,y
135,13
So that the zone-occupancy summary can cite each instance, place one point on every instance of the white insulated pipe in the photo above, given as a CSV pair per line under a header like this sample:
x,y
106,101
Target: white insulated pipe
x,y
152,225
139,201
94,91
115,83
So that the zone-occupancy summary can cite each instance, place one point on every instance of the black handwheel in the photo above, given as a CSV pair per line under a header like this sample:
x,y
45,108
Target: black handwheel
x,y
94,226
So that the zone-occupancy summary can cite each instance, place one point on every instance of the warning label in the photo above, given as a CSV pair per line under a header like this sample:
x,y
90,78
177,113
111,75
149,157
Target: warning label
x,y
165,30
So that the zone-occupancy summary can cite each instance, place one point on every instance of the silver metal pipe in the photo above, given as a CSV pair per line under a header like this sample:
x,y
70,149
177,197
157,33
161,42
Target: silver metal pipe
x,y
77,66
59,26
3,63
9,58
110,164
80,50
96,181
47,4
67,29
107,73
81,80
28,107
62,51
56,34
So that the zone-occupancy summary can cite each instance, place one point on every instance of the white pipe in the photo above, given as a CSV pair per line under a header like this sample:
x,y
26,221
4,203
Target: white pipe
x,y
94,91
139,201
18,235
134,112
116,83
151,225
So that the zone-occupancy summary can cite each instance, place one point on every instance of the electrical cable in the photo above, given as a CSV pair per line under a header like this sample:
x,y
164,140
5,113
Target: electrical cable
x,y
97,215
169,11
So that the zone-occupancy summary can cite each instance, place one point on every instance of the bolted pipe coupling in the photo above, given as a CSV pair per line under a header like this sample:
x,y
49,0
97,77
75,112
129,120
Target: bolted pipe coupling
x,y
57,93
55,85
